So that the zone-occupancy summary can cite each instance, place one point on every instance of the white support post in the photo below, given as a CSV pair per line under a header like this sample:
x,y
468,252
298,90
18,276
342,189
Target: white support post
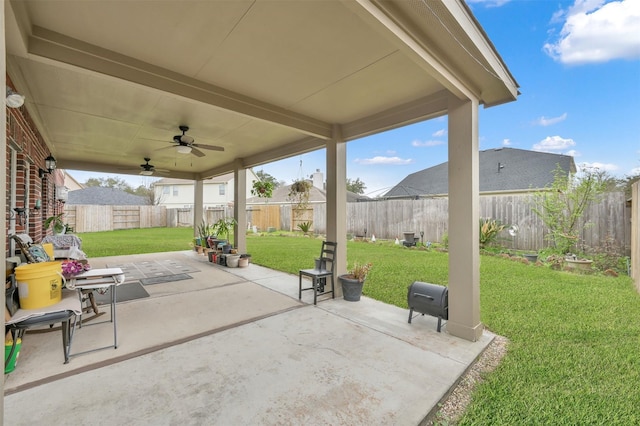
x,y
240,207
337,200
198,205
464,256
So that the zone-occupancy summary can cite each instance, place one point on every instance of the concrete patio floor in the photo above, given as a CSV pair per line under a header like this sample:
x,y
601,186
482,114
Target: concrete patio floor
x,y
235,346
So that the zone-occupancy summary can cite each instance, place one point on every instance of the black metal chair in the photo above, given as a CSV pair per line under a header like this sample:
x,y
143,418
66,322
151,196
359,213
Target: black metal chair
x,y
324,268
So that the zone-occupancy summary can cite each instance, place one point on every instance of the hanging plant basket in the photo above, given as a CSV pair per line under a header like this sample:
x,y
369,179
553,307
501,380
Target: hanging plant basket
x,y
262,189
299,194
300,187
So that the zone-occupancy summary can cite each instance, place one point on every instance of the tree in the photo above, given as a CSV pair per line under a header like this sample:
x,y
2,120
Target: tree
x,y
266,177
625,184
561,207
149,193
117,183
356,186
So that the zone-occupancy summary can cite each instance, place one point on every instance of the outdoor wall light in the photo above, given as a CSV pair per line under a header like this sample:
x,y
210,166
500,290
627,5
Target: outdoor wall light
x,y
50,164
14,100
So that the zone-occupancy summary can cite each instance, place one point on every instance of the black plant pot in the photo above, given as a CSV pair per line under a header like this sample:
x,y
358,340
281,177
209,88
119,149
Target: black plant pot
x,y
351,288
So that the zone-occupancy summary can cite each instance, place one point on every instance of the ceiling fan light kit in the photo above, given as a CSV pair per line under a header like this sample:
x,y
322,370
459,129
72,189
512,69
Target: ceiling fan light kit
x,y
183,149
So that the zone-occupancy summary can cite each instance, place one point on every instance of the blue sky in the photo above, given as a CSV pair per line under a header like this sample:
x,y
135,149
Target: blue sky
x,y
578,66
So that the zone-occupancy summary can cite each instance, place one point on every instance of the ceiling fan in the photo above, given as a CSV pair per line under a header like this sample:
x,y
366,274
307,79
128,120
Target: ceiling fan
x,y
147,169
185,144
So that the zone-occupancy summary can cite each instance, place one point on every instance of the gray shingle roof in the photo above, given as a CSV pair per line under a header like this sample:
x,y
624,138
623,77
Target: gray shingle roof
x,y
100,196
501,169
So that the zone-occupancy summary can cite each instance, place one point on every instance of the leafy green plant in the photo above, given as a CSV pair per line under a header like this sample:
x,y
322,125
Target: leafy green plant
x,y
305,227
224,226
489,230
56,223
205,230
561,207
299,195
262,189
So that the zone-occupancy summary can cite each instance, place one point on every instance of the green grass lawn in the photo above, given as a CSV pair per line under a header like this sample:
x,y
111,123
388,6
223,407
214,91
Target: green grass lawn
x,y
574,352
135,241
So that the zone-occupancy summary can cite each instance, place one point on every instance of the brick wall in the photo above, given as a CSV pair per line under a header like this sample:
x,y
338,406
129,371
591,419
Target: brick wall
x,y
24,138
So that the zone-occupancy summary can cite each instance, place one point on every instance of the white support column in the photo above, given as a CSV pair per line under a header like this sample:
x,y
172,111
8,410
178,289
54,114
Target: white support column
x,y
198,205
337,200
464,256
240,207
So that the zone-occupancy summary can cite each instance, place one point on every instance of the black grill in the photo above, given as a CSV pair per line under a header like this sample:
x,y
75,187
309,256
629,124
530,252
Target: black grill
x,y
428,299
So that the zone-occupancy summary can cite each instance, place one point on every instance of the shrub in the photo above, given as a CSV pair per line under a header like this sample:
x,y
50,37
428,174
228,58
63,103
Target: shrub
x,y
489,230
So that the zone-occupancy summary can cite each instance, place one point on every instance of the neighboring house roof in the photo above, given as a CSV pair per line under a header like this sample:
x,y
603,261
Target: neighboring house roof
x,y
97,195
501,169
70,182
281,196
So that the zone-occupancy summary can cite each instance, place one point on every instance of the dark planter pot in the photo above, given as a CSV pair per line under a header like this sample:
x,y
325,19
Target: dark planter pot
x,y
226,249
351,288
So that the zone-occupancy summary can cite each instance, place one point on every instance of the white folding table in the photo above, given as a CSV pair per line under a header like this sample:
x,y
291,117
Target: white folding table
x,y
95,279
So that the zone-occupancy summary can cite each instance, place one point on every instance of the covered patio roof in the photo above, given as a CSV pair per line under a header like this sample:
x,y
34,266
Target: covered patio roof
x,y
108,83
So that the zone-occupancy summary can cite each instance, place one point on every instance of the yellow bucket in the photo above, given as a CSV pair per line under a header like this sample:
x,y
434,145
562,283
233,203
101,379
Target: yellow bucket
x,y
48,247
39,284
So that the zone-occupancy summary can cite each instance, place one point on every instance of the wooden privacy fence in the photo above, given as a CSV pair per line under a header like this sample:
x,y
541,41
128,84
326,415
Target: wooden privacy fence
x,y
610,219
89,218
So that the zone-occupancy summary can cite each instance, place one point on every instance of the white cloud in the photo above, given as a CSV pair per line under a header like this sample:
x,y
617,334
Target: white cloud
x,y
384,160
600,166
440,133
426,143
553,143
544,121
595,31
635,171
506,142
573,153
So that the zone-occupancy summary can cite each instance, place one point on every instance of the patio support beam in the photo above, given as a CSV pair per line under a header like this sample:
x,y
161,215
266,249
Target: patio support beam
x,y
464,256
337,200
198,206
240,206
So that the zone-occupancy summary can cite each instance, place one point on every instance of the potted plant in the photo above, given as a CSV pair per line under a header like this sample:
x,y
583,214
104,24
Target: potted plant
x,y
222,228
299,195
204,231
56,223
262,189
353,281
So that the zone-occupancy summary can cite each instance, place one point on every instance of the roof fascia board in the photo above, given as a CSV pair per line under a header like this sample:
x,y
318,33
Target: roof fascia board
x,y
298,147
432,106
464,15
58,47
17,22
106,168
409,42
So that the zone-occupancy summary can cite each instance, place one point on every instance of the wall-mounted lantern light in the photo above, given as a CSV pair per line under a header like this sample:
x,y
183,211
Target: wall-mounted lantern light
x,y
50,164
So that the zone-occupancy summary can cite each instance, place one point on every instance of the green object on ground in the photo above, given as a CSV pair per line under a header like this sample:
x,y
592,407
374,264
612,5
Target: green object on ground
x,y
10,364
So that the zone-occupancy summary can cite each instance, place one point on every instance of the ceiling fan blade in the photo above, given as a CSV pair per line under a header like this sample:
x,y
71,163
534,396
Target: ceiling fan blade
x,y
209,147
196,152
